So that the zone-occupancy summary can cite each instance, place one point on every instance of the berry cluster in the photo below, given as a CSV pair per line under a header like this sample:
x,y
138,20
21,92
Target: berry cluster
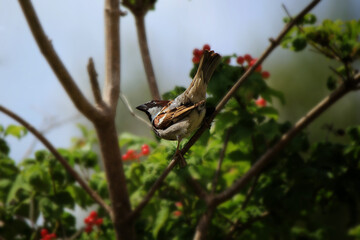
x,y
247,58
198,53
45,235
132,155
91,221
178,212
260,102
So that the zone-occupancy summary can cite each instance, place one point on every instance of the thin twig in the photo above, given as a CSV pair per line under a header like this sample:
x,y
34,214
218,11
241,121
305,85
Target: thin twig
x,y
285,139
145,54
153,189
58,156
128,106
240,227
46,48
198,189
221,158
273,44
112,54
46,130
250,192
94,82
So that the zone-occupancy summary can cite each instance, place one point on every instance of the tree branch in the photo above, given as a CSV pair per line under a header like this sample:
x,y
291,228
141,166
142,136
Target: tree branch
x,y
46,48
60,158
139,10
221,158
94,82
226,98
243,226
112,54
145,54
285,139
153,189
203,224
127,104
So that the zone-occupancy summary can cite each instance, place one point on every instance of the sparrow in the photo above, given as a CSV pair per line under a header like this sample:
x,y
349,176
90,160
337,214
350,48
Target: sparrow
x,y
178,118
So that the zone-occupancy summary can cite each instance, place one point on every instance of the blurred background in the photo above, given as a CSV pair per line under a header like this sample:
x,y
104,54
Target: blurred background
x,y
174,29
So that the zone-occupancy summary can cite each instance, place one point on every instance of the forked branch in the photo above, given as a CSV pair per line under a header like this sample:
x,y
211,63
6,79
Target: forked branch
x,y
273,44
46,48
58,156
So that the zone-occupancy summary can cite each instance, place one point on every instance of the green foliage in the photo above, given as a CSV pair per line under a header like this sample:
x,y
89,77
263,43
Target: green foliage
x,y
309,191
337,40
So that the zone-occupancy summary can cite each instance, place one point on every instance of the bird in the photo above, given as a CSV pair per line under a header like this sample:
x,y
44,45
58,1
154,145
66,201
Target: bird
x,y
177,119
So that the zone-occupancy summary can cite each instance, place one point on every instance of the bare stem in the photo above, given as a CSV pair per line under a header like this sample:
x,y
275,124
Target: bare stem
x,y
153,189
94,82
145,54
273,44
46,48
112,54
221,158
58,156
285,139
127,104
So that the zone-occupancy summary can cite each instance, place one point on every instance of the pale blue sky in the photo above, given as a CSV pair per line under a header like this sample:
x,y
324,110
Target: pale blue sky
x,y
175,28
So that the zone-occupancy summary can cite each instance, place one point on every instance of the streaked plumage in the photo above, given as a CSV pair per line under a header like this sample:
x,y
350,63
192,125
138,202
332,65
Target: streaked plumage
x,y
176,119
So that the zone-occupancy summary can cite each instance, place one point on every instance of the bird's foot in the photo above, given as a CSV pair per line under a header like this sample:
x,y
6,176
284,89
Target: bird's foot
x,y
182,161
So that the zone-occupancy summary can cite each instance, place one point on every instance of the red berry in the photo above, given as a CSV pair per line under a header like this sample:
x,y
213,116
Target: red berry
x,y
145,149
260,102
179,204
240,60
252,62
99,221
265,74
125,157
177,213
51,236
88,229
89,220
196,59
93,214
197,52
44,232
206,47
132,154
227,61
247,57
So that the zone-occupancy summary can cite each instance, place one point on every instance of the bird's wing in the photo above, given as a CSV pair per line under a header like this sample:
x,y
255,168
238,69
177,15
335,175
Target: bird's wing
x,y
168,116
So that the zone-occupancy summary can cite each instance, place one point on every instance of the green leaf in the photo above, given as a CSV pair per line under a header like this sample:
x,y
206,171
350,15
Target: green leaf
x,y
16,131
63,198
161,218
79,195
299,43
49,209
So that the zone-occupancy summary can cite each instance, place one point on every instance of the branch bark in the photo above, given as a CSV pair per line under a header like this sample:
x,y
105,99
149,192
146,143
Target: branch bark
x,y
139,10
46,48
58,156
94,82
226,98
285,139
145,54
112,54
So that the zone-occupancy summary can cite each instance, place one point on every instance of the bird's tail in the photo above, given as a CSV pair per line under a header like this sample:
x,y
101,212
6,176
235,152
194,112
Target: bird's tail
x,y
208,63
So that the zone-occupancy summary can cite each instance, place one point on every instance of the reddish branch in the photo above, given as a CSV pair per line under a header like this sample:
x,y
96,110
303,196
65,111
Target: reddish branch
x,y
145,54
59,157
103,115
286,138
139,10
46,48
226,98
